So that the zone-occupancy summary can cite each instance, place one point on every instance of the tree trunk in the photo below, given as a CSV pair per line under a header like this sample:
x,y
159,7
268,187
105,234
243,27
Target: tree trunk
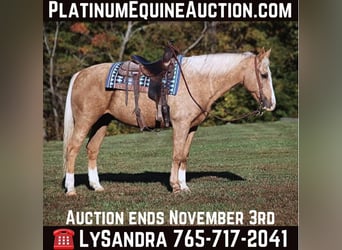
x,y
125,39
52,90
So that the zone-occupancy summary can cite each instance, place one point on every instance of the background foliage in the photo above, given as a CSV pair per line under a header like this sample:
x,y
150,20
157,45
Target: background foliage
x,y
71,46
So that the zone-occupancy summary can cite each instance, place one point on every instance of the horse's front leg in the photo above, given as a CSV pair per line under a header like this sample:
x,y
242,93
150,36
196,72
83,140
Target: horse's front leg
x,y
183,165
182,138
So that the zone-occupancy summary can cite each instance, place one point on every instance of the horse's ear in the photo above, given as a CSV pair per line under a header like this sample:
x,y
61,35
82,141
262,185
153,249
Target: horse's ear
x,y
267,53
261,53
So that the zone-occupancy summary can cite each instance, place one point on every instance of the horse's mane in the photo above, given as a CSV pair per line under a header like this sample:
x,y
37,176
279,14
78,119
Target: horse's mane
x,y
216,63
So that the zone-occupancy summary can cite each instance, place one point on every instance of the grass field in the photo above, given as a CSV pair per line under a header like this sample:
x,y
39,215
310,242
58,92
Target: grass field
x,y
231,168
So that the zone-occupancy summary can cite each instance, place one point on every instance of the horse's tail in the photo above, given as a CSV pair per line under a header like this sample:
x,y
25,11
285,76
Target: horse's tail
x,y
68,120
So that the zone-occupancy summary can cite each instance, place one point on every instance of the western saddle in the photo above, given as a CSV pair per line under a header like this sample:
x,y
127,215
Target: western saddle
x,y
158,89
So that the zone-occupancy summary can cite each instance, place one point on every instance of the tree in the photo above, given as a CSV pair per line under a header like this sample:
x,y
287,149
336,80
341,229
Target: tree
x,y
55,97
72,46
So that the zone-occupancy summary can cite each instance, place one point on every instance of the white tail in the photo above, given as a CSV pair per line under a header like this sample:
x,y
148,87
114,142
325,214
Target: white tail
x,y
68,120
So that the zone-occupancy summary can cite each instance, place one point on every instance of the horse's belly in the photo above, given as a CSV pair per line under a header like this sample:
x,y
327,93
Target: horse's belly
x,y
125,113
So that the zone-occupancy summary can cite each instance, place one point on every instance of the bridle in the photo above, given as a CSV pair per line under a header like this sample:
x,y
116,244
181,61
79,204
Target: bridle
x,y
260,85
259,110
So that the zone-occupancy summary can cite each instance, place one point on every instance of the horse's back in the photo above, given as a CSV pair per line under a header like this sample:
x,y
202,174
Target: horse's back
x,y
97,72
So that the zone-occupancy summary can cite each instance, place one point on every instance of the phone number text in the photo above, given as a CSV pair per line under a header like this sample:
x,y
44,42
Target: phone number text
x,y
230,238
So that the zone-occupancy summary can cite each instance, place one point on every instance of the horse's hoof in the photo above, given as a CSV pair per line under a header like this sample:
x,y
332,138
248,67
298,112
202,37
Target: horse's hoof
x,y
71,193
96,186
99,189
186,190
181,190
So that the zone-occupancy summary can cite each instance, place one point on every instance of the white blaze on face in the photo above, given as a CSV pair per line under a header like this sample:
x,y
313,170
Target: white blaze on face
x,y
273,99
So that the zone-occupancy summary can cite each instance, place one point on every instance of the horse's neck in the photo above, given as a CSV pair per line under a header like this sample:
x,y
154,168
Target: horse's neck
x,y
223,83
219,78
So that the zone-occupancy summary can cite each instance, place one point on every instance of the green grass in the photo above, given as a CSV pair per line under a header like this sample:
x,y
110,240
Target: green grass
x,y
231,168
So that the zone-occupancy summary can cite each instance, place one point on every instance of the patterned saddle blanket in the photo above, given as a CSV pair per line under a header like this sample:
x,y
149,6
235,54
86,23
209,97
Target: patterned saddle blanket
x,y
118,78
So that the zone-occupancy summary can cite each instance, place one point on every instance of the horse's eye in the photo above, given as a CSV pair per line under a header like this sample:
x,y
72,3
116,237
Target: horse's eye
x,y
264,75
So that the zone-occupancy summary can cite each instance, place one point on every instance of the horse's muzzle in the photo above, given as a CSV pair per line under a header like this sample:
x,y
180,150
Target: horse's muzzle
x,y
269,105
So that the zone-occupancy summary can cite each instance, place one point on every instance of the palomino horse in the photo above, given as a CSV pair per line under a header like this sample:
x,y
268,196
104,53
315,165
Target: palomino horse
x,y
208,77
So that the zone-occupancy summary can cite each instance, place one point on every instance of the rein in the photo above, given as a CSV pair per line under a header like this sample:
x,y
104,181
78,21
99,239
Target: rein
x,y
257,112
203,111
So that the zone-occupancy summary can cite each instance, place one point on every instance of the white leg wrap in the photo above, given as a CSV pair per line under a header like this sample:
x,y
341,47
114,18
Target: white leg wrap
x,y
182,179
70,182
94,181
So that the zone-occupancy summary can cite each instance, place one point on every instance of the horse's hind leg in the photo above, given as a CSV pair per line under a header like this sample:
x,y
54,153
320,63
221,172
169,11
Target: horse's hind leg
x,y
73,148
93,147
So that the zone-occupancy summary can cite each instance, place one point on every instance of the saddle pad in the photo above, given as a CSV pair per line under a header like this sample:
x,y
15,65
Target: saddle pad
x,y
117,81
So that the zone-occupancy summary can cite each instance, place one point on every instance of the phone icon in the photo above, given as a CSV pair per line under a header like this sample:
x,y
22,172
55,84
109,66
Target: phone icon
x,y
63,239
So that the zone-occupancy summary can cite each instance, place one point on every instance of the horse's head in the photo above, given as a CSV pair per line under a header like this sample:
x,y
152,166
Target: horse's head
x,y
258,81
